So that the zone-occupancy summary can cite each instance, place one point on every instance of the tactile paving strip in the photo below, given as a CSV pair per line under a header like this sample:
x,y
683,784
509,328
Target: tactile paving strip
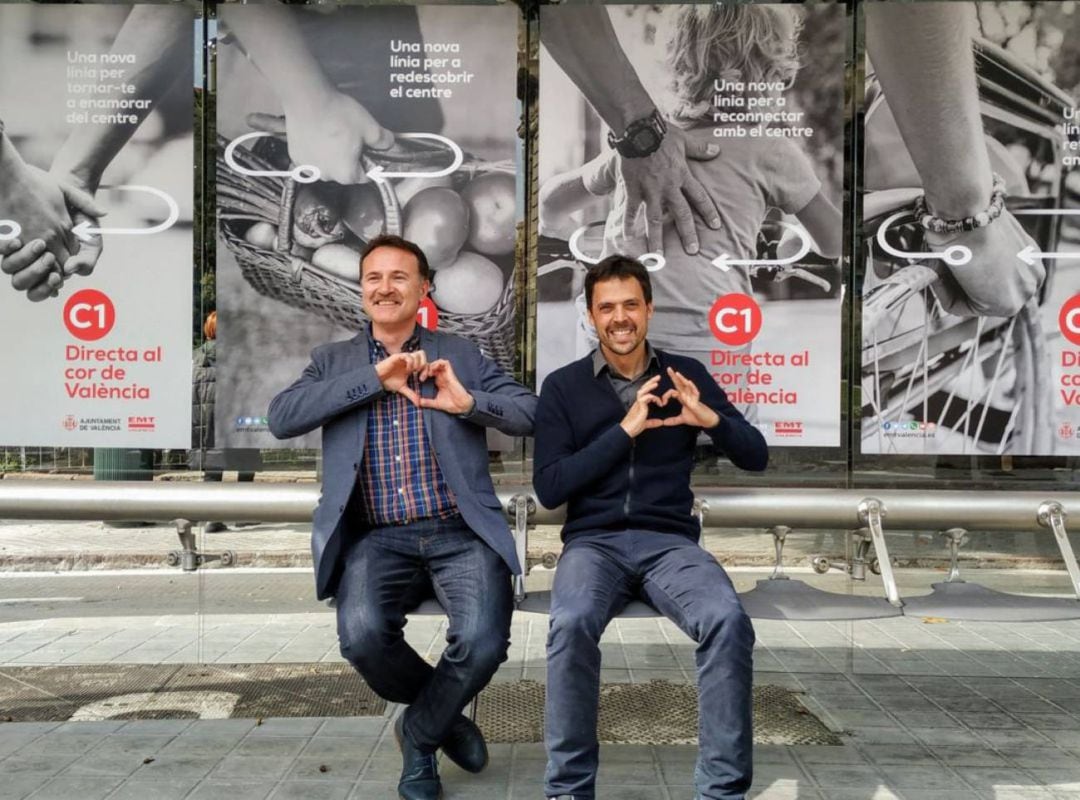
x,y
657,712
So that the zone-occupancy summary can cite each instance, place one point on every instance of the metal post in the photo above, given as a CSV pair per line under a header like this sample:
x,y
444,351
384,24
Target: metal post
x,y
520,507
957,538
1052,515
701,509
189,556
872,514
779,534
860,550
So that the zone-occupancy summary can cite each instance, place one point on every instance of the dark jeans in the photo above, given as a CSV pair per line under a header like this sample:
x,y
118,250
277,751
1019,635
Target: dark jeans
x,y
385,574
599,572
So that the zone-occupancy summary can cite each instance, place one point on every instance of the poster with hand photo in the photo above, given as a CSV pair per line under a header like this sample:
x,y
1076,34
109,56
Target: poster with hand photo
x,y
337,124
970,227
96,218
735,209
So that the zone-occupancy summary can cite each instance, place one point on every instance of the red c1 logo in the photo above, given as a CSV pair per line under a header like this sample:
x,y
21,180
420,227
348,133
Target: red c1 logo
x,y
427,316
1069,319
89,315
735,319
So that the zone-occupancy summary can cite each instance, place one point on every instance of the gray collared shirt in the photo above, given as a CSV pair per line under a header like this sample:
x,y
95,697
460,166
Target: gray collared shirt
x,y
625,388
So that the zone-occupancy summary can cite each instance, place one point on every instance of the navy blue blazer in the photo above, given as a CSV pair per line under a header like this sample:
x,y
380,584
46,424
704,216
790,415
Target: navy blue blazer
x,y
334,392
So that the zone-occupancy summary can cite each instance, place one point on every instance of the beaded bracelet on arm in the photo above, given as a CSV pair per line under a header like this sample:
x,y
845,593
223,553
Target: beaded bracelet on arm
x,y
935,224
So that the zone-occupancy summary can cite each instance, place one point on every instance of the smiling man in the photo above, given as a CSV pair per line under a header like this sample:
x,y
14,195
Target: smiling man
x,y
408,506
615,438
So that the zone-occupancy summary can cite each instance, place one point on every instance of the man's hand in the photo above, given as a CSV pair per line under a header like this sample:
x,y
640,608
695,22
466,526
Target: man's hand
x,y
694,412
996,281
79,194
662,181
637,417
328,130
35,200
42,206
31,268
450,395
84,261
394,371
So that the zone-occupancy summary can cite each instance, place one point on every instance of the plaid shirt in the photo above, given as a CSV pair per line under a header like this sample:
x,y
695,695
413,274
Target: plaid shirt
x,y
399,474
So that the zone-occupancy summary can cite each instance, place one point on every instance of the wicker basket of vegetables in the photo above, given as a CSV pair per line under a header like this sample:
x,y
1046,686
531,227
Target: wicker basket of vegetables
x,y
300,243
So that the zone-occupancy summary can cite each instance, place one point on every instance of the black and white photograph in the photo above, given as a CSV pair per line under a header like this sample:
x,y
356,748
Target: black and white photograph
x,y
706,141
96,221
970,229
337,124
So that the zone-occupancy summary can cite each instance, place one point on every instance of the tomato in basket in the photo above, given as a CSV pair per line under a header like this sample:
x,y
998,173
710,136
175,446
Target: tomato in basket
x,y
472,284
364,214
437,220
491,199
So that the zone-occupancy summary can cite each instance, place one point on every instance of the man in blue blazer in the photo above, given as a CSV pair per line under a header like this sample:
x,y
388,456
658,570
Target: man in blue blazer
x,y
408,506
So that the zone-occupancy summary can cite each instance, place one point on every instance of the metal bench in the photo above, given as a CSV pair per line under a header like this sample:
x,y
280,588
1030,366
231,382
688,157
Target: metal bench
x,y
781,511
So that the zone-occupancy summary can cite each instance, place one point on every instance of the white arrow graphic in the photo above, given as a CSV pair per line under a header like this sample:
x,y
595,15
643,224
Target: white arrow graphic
x,y
305,173
955,256
725,260
377,173
575,250
84,230
1030,253
653,262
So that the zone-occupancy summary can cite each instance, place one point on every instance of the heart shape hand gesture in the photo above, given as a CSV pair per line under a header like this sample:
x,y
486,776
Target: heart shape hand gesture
x,y
685,391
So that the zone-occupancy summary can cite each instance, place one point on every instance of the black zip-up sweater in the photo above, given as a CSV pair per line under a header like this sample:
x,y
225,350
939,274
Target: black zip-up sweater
x,y
609,481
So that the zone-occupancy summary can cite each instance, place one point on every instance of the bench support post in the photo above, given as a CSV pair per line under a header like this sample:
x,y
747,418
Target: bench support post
x,y
701,510
957,538
520,507
872,514
779,534
1052,515
189,559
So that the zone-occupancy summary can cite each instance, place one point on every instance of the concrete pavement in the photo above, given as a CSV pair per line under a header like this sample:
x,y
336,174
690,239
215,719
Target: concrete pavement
x,y
928,709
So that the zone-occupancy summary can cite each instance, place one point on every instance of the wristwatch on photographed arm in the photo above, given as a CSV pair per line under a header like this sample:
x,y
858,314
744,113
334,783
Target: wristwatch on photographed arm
x,y
641,138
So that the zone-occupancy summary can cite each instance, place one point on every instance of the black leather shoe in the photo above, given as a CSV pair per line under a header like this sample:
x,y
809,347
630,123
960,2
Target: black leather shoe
x,y
465,745
419,774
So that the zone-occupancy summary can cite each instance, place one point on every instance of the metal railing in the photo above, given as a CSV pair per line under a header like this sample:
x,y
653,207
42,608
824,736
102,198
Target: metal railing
x,y
774,509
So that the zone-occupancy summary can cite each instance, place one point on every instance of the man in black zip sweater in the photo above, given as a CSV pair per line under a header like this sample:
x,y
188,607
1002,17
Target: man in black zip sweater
x,y
615,438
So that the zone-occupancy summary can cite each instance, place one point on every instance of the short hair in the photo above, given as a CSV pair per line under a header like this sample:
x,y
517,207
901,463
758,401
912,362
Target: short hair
x,y
397,243
739,42
209,327
617,267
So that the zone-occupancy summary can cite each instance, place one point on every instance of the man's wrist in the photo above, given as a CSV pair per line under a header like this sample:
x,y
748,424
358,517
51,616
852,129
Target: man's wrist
x,y
631,108
471,410
9,157
82,176
306,95
640,137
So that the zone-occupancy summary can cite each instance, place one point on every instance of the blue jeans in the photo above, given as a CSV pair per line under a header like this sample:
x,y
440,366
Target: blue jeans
x,y
385,575
598,573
